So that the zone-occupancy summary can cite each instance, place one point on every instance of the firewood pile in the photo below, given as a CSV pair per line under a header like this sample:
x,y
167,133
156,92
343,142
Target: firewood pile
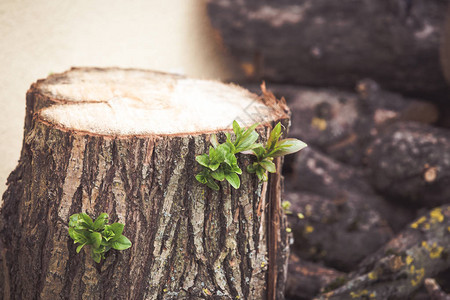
x,y
369,201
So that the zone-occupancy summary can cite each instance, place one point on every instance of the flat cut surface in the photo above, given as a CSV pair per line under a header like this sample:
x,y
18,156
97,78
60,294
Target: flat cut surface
x,y
137,102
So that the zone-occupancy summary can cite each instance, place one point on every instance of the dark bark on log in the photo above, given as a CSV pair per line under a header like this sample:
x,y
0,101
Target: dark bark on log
x,y
342,124
435,291
411,162
279,238
316,173
445,47
305,279
443,279
340,232
188,241
401,266
323,43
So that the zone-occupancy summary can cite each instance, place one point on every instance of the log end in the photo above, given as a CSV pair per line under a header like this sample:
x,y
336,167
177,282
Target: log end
x,y
136,102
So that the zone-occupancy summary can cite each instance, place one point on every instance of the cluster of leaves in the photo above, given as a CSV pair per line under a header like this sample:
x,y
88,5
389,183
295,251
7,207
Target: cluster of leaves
x,y
221,162
98,235
273,148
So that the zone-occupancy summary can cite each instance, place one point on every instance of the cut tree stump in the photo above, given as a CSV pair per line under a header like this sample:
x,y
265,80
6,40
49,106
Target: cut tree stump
x,y
124,142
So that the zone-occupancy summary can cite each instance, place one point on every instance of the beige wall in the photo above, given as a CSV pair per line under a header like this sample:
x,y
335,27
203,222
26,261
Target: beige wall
x,y
38,37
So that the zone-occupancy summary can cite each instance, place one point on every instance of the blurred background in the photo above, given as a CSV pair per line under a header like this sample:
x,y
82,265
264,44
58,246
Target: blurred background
x,y
39,37
368,200
367,84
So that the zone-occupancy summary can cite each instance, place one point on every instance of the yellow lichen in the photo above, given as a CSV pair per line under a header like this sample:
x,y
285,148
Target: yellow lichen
x,y
301,216
309,229
319,123
285,205
359,294
436,252
416,224
434,249
409,260
206,291
372,275
396,263
417,275
436,215
288,230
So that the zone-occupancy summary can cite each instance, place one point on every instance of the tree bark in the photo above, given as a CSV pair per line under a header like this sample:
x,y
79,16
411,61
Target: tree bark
x,y
345,186
307,279
342,124
188,241
445,47
323,43
410,162
435,291
340,231
402,265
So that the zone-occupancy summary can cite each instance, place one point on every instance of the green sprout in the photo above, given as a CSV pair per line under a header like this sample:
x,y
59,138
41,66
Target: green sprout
x,y
98,235
274,148
221,163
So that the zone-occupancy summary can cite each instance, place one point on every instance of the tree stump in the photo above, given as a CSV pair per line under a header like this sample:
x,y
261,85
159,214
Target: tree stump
x,y
124,142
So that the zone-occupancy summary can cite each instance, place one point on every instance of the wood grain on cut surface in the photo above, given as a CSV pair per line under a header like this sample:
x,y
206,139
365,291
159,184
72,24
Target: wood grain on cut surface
x,y
124,142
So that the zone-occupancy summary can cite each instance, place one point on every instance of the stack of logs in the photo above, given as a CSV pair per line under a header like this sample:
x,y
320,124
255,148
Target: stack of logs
x,y
369,199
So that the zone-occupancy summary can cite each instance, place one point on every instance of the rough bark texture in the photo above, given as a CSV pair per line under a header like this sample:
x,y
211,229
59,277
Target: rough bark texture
x,y
188,241
401,266
445,47
340,232
328,43
342,124
435,291
411,162
343,185
307,279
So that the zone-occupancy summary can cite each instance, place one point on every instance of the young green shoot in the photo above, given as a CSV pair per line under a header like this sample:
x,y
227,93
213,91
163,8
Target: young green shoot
x,y
98,235
273,148
221,163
